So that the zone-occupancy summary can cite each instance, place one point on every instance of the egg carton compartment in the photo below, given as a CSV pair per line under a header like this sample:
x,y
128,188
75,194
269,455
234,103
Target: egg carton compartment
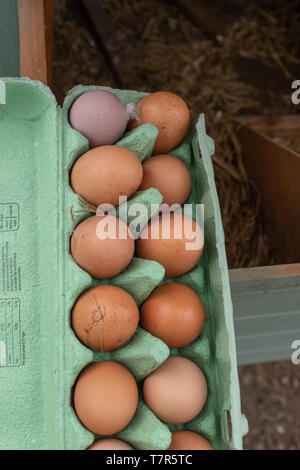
x,y
140,141
39,149
143,353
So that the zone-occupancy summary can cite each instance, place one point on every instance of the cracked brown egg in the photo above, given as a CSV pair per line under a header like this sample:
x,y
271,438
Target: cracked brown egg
x,y
169,113
105,397
105,318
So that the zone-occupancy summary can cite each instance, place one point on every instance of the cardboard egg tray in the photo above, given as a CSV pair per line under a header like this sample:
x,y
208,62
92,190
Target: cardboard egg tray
x,y
40,356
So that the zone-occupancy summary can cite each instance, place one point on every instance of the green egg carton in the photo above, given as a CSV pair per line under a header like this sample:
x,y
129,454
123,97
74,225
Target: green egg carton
x,y
40,356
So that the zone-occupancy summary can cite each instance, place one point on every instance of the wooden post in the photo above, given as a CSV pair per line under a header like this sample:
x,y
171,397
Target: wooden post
x,y
33,63
48,13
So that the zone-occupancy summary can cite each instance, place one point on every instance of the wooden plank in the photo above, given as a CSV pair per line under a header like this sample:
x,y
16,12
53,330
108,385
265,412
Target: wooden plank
x,y
266,305
275,170
48,14
124,74
281,272
32,40
286,126
205,16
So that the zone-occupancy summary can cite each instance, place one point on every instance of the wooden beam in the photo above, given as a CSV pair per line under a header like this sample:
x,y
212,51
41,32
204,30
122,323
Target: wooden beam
x,y
48,14
205,16
284,125
32,40
124,74
280,272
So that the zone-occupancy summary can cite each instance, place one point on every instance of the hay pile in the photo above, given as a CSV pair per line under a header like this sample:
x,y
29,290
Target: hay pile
x,y
167,51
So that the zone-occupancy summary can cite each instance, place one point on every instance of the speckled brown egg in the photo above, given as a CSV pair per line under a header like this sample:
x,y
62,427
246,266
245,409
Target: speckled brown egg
x,y
174,313
176,391
105,317
105,397
105,173
110,444
188,440
169,113
102,246
169,175
173,240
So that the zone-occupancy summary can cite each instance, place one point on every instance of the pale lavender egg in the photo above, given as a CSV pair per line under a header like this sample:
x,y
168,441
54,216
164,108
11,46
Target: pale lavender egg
x,y
100,116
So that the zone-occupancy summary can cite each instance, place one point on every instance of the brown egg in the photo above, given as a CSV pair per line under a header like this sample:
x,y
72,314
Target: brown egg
x,y
176,391
105,318
174,313
104,173
170,176
102,257
173,240
188,440
110,444
105,397
169,113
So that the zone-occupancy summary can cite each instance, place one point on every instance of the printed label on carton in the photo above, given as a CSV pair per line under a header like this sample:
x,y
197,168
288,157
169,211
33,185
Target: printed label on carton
x,y
10,333
10,276
9,217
